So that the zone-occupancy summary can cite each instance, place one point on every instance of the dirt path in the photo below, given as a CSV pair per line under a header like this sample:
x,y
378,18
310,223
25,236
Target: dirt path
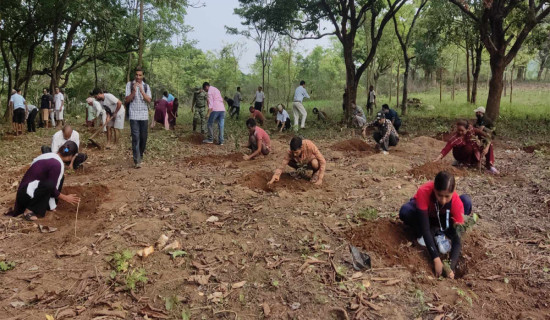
x,y
276,252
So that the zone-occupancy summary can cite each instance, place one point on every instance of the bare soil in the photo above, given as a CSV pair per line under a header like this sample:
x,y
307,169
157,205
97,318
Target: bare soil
x,y
254,252
538,146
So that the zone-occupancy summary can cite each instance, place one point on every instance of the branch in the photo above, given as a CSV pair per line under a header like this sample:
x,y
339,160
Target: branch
x,y
289,34
465,10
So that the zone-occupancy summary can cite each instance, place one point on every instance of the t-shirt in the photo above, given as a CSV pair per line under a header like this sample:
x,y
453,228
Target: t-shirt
x,y
260,134
58,99
256,114
45,101
30,107
426,201
110,102
58,140
372,96
282,116
170,98
91,112
392,116
259,96
237,99
215,100
98,108
18,101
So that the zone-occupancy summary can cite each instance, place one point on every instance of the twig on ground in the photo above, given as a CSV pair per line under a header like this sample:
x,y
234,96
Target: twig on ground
x,y
76,218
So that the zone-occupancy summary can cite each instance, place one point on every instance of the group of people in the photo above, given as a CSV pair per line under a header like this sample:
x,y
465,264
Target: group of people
x,y
51,109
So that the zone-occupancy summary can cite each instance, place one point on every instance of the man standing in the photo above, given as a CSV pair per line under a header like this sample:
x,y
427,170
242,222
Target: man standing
x,y
259,97
216,113
45,106
237,98
115,120
297,106
19,107
138,94
59,100
371,101
198,108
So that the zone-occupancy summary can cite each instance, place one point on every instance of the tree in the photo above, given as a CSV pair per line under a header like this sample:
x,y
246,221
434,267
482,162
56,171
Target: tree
x,y
346,16
404,37
499,23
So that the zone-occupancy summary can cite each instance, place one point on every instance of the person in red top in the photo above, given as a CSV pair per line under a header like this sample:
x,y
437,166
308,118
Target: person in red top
x,y
257,115
436,205
467,147
258,140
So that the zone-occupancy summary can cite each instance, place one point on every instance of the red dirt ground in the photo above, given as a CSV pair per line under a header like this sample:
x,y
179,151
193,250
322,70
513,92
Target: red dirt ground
x,y
213,159
355,147
539,146
194,138
258,181
430,169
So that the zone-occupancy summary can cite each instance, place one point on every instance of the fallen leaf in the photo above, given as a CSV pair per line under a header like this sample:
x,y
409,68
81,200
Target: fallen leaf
x,y
17,304
173,246
178,253
238,285
213,219
49,317
266,309
161,242
145,252
356,275
200,279
365,283
392,282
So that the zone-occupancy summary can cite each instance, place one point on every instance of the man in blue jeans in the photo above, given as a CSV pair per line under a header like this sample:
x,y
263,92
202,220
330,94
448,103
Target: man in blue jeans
x,y
138,94
216,112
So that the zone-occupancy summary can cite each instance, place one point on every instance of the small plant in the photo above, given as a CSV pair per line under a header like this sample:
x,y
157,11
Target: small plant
x,y
123,271
368,214
6,265
135,277
423,307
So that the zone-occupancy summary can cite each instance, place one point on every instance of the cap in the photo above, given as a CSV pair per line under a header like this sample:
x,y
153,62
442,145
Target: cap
x,y
480,109
380,115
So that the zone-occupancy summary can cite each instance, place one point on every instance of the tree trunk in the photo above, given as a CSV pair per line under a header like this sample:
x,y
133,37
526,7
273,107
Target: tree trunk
x,y
541,68
7,113
397,90
55,54
440,84
521,73
468,92
141,40
504,86
476,70
498,66
511,83
405,86
288,64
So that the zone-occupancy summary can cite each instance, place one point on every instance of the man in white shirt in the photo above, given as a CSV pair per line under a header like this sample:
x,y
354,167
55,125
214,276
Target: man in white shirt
x,y
115,120
297,106
59,101
259,99
283,119
59,138
32,111
371,100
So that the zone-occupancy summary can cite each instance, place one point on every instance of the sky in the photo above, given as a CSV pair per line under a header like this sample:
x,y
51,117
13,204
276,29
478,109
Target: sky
x,y
209,23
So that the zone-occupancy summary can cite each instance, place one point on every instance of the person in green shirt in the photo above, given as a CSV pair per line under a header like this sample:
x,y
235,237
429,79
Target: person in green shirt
x,y
198,107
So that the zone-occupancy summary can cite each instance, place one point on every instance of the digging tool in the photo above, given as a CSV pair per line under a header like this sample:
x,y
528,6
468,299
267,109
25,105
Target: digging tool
x,y
95,133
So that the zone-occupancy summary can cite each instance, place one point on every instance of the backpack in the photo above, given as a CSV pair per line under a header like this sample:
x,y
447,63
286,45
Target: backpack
x,y
127,104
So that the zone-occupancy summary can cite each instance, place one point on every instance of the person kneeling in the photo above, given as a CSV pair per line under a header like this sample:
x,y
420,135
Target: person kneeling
x,y
257,116
385,136
436,205
283,119
41,185
303,155
60,138
258,140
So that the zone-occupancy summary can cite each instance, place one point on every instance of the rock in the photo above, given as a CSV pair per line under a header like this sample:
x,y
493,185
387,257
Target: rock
x,y
213,219
161,242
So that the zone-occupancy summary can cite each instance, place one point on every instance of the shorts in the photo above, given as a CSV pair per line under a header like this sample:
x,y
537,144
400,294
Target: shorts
x,y
59,114
118,121
52,115
45,114
19,115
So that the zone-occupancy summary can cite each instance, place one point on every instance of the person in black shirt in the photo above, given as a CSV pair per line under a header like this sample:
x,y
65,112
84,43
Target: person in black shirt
x,y
45,106
392,116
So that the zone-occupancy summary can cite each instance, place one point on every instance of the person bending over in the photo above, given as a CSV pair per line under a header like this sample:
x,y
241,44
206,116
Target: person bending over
x,y
41,185
258,140
283,119
392,116
386,136
321,115
358,120
257,115
437,206
60,138
303,155
468,147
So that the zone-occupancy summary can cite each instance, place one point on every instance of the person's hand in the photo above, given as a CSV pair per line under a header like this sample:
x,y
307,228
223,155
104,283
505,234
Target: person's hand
x,y
273,180
438,266
319,182
70,198
246,158
451,275
439,157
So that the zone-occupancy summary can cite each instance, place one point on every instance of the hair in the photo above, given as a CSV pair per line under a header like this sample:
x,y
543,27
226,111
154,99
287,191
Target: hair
x,y
302,82
68,149
165,93
205,84
272,110
371,87
315,111
56,87
47,90
385,106
96,91
138,69
295,143
251,109
444,181
260,87
250,123
463,123
238,88
17,89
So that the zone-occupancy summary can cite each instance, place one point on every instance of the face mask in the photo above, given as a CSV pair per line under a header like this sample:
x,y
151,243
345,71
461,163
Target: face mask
x,y
479,116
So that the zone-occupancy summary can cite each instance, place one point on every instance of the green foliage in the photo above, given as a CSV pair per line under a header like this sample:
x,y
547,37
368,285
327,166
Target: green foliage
x,y
368,214
6,265
178,253
120,261
124,272
135,277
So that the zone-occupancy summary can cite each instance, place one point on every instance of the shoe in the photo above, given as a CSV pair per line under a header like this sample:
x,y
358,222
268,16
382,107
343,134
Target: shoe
x,y
385,152
220,144
493,170
207,141
137,165
421,241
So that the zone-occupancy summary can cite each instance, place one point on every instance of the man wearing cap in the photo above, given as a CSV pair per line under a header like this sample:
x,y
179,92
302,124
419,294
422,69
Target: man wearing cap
x,y
482,122
385,136
198,108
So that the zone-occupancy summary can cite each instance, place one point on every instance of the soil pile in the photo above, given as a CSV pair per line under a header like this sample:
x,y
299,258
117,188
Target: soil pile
x,y
214,159
195,138
430,169
443,136
354,145
388,243
258,181
540,146
90,199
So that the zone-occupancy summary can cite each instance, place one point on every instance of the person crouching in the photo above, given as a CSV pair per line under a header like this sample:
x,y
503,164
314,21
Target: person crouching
x,y
258,140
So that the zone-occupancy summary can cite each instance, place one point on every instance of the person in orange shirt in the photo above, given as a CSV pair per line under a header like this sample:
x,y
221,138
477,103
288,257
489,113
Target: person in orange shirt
x,y
303,154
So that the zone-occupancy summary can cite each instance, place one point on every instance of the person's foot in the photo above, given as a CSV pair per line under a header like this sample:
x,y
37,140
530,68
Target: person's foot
x,y
207,141
30,216
137,165
493,170
220,144
421,241
384,152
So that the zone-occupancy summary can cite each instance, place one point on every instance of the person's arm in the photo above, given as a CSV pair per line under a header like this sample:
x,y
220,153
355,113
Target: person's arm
x,y
280,170
429,241
118,106
456,248
384,142
130,92
306,95
145,96
257,152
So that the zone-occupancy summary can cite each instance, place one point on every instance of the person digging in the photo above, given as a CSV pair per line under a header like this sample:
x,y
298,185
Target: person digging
x,y
302,156
258,140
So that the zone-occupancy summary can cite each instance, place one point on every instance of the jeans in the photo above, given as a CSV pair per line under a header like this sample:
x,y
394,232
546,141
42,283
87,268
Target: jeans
x,y
219,117
139,138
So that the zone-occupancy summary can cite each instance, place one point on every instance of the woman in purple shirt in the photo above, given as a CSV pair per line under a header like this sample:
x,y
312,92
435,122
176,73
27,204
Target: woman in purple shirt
x,y
41,185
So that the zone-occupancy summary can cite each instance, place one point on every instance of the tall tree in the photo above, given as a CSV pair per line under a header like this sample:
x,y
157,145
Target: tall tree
x,y
404,36
503,26
346,17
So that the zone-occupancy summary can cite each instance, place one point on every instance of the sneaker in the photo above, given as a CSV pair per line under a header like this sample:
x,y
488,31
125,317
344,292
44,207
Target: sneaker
x,y
493,170
137,165
220,144
385,152
421,241
207,141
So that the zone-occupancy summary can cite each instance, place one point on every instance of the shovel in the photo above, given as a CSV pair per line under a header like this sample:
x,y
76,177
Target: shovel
x,y
95,133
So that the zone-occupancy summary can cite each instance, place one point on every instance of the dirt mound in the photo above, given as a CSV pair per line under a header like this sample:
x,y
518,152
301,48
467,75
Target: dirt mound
x,y
214,159
90,199
430,169
538,146
443,136
354,145
258,181
388,244
194,138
